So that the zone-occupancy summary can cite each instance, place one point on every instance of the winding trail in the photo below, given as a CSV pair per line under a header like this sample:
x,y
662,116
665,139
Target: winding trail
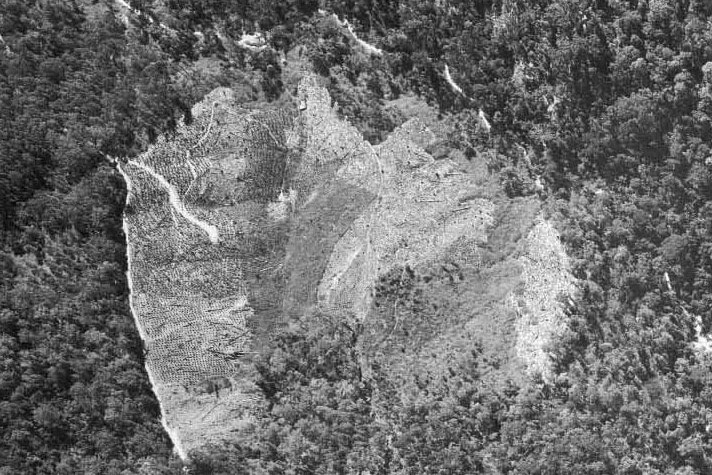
x,y
369,48
458,90
174,199
366,46
451,82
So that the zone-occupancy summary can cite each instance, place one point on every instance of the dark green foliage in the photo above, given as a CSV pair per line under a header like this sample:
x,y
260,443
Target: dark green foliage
x,y
317,417
323,415
75,397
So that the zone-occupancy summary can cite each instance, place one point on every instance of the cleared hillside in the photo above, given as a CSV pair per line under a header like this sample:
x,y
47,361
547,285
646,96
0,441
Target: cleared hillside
x,y
245,221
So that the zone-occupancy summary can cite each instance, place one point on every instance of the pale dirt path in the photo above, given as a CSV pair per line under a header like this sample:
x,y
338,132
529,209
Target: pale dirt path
x,y
177,203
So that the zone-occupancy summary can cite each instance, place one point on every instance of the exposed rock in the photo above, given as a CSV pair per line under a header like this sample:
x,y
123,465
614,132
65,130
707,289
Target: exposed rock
x,y
253,42
547,279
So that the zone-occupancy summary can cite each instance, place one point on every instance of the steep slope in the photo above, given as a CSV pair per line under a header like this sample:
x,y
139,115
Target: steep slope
x,y
187,236
246,220
547,278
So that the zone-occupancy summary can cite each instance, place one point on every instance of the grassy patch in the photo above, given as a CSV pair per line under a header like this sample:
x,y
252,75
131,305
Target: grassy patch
x,y
424,318
315,231
512,221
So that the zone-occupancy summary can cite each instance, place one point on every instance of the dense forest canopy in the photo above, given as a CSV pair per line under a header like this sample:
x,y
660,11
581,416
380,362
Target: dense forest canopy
x,y
601,108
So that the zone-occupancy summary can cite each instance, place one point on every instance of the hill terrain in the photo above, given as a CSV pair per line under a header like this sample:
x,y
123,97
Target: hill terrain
x,y
246,221
386,237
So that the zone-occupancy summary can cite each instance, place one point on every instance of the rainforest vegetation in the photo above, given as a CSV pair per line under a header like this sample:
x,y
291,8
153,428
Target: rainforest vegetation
x,y
608,103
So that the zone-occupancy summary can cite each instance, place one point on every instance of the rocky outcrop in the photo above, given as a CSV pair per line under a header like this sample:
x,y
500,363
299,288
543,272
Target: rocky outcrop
x,y
547,283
